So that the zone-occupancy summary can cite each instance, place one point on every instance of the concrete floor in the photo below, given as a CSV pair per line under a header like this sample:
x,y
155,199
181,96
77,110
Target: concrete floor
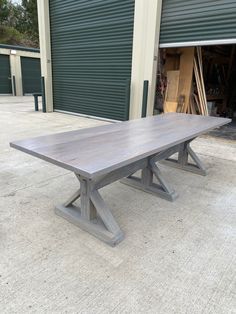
x,y
176,257
227,131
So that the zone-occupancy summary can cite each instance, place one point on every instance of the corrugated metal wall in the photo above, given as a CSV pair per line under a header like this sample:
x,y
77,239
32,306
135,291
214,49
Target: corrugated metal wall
x,y
91,56
31,75
5,75
197,20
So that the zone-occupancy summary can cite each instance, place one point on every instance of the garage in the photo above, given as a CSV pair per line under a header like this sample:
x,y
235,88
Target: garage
x,y
20,70
197,63
5,75
31,75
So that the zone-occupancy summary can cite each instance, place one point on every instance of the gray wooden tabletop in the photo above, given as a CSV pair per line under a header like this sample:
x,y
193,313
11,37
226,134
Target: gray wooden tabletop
x,y
95,151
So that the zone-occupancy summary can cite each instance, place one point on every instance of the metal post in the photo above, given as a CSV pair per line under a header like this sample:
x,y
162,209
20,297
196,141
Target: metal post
x,y
127,98
14,85
36,104
145,97
43,94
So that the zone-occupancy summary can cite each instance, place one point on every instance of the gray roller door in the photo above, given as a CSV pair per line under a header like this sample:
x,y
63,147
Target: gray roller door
x,y
91,56
5,75
187,22
31,75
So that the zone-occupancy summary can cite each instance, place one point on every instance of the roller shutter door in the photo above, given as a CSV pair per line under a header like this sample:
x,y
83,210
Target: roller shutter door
x,y
5,75
31,75
190,22
91,44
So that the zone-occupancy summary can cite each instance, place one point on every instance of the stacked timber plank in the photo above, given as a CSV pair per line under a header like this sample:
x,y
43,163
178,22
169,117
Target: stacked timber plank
x,y
200,97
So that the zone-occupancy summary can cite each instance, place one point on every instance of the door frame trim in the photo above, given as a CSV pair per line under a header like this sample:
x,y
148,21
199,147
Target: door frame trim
x,y
199,43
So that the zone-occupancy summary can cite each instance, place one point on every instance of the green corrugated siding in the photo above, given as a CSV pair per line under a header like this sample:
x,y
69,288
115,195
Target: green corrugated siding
x,y
31,75
91,45
5,75
201,20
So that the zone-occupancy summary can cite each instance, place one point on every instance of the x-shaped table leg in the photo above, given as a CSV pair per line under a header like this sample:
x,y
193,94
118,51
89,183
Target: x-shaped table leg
x,y
145,183
93,215
184,152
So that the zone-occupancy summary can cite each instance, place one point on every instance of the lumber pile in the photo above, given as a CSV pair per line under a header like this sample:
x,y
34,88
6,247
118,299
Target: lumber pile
x,y
199,98
197,80
185,88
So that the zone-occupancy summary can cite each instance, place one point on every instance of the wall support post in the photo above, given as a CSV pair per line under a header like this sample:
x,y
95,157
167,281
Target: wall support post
x,y
147,18
45,51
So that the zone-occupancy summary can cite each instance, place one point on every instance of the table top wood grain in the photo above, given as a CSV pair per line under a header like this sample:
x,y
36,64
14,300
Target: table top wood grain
x,y
96,151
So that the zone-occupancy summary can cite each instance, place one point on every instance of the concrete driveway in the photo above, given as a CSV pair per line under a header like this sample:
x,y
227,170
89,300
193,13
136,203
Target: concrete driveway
x,y
176,257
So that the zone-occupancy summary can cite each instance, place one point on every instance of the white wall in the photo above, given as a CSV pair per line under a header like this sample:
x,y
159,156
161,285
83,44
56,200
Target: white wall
x,y
145,54
45,50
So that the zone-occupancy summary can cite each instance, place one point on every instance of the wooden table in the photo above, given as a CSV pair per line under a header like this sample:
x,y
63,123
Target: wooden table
x,y
101,155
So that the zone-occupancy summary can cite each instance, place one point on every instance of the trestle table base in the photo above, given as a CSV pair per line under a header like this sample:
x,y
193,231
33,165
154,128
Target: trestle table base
x,y
95,217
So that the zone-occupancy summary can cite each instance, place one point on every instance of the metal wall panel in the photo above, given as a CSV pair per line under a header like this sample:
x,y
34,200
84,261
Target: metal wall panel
x,y
91,43
5,75
198,21
31,75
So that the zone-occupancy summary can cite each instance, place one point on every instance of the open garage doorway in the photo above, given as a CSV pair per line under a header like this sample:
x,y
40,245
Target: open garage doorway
x,y
197,80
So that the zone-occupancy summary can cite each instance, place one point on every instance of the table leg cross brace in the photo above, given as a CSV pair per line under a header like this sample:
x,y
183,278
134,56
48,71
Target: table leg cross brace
x,y
93,215
145,183
182,162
